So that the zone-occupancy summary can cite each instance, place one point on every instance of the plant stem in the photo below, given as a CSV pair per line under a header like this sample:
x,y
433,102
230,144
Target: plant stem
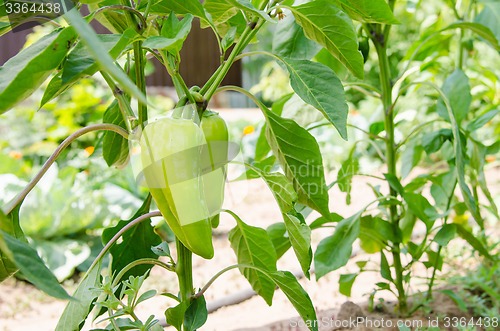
x,y
433,277
139,262
431,282
209,83
184,270
123,101
460,64
380,42
140,81
217,275
57,152
246,36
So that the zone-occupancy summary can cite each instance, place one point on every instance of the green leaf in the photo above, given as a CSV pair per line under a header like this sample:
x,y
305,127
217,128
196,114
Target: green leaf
x,y
136,244
229,38
460,161
115,148
54,88
196,314
161,249
175,315
224,16
247,6
220,10
299,298
320,221
80,63
300,237
22,74
4,28
114,20
477,162
76,311
457,89
94,47
264,165
300,157
368,11
345,283
385,270
173,34
324,23
490,17
32,266
262,147
282,190
334,251
375,233
394,183
318,86
146,295
442,188
458,300
432,142
7,267
482,120
383,286
324,57
279,237
473,241
301,112
253,246
437,46
62,255
479,29
179,7
410,158
290,41
9,224
349,168
445,234
420,206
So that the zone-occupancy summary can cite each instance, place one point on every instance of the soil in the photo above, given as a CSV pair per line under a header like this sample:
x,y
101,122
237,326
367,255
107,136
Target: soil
x,y
351,316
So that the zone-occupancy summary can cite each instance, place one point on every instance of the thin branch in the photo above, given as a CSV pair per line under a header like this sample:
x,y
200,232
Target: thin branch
x,y
217,275
414,131
138,262
365,88
127,8
58,151
122,231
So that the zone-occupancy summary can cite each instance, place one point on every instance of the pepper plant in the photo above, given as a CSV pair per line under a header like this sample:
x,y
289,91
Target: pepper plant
x,y
184,154
401,224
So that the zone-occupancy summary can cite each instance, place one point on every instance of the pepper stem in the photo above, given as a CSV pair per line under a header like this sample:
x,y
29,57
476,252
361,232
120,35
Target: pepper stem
x,y
184,270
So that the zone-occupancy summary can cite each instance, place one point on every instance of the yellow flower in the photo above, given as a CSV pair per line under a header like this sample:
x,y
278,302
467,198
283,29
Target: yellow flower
x,y
89,150
15,155
248,129
490,158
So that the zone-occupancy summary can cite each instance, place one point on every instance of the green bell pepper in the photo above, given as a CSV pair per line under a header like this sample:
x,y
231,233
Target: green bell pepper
x,y
217,137
172,165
